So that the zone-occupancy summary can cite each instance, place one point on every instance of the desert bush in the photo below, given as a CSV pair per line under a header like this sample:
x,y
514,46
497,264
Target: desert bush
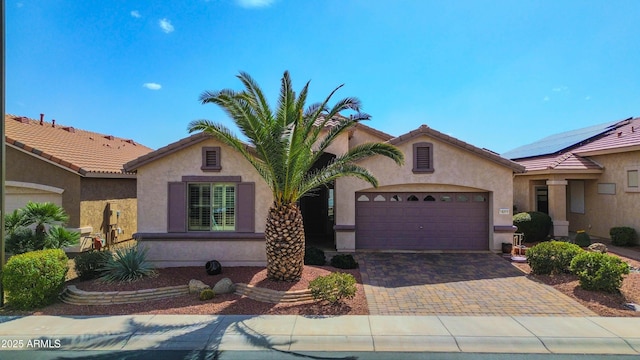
x,y
35,278
600,272
583,239
333,288
207,294
344,261
623,236
127,264
534,225
314,256
553,257
90,264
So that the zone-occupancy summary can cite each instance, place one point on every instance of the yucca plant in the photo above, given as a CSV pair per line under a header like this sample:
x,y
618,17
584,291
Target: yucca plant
x,y
285,145
126,265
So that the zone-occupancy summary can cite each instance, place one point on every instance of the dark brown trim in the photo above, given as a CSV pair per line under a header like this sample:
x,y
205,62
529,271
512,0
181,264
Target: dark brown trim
x,y
177,207
206,150
504,228
219,179
416,147
344,228
204,236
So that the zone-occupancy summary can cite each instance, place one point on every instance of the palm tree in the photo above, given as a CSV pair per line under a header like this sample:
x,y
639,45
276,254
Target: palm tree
x,y
42,215
285,144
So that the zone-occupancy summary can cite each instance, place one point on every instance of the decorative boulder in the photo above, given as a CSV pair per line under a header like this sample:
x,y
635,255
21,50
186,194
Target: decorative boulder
x,y
598,247
196,286
224,286
213,267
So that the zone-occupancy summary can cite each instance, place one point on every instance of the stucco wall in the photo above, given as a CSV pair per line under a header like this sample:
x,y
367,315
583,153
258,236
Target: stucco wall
x,y
603,211
197,253
455,169
26,168
153,179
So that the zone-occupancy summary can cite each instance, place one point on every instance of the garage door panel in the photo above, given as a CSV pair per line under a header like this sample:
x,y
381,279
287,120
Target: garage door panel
x,y
426,225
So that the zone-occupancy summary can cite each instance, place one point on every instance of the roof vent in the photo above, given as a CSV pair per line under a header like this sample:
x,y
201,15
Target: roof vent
x,y
109,137
69,129
130,141
53,123
41,119
22,119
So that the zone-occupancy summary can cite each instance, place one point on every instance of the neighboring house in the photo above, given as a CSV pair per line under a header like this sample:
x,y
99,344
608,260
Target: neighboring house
x,y
586,179
80,170
201,200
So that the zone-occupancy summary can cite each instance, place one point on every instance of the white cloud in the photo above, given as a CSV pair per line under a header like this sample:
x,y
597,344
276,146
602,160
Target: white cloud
x,y
152,86
165,25
254,3
560,89
546,98
587,98
135,14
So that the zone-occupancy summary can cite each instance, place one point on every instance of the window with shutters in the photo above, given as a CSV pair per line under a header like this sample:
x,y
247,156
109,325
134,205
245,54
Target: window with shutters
x,y
211,207
422,157
211,158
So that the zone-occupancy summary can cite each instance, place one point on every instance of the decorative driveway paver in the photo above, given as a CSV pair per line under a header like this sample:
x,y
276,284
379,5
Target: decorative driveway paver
x,y
458,284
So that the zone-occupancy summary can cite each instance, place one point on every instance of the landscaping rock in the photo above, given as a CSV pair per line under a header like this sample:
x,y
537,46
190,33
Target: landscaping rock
x,y
598,247
195,286
224,286
632,306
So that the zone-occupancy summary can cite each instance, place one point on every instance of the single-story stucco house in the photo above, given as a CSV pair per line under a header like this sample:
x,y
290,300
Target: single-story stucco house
x,y
199,200
585,179
80,170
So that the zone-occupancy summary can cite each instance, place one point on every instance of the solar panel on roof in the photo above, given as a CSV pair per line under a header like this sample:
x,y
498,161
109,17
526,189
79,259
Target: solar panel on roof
x,y
558,142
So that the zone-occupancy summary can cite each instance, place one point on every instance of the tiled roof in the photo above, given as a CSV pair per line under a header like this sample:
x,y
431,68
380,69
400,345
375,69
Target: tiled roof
x,y
566,161
78,150
425,130
559,143
622,138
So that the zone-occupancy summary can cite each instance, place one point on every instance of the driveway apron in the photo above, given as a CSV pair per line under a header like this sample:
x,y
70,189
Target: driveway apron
x,y
457,284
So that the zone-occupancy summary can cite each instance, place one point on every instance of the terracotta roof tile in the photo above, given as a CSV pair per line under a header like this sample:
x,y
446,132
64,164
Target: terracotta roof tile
x,y
566,161
618,139
78,150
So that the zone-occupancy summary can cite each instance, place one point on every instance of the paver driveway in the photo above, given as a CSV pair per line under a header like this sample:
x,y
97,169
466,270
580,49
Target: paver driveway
x,y
457,284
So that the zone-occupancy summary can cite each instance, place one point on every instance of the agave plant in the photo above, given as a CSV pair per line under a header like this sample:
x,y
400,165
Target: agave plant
x,y
127,264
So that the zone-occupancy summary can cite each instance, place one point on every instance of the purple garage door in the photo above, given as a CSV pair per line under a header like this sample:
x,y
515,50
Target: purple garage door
x,y
422,221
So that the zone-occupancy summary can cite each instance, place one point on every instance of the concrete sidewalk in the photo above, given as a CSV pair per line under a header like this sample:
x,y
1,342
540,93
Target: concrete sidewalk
x,y
290,333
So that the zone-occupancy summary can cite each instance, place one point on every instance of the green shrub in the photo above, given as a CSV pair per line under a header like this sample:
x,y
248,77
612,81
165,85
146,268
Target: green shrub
x,y
623,236
314,256
600,272
344,261
20,241
207,294
89,265
126,265
533,224
583,239
333,288
35,278
553,257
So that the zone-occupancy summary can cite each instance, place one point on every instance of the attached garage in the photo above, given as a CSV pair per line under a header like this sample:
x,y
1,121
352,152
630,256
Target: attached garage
x,y
422,221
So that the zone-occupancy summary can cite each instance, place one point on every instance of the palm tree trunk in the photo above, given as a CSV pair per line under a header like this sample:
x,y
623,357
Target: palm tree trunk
x,y
284,235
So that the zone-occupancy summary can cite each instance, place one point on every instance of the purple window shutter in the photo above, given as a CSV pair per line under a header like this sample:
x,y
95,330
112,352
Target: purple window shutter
x,y
177,210
246,194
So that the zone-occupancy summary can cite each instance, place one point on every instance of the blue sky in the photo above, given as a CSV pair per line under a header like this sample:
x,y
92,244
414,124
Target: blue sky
x,y
497,74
